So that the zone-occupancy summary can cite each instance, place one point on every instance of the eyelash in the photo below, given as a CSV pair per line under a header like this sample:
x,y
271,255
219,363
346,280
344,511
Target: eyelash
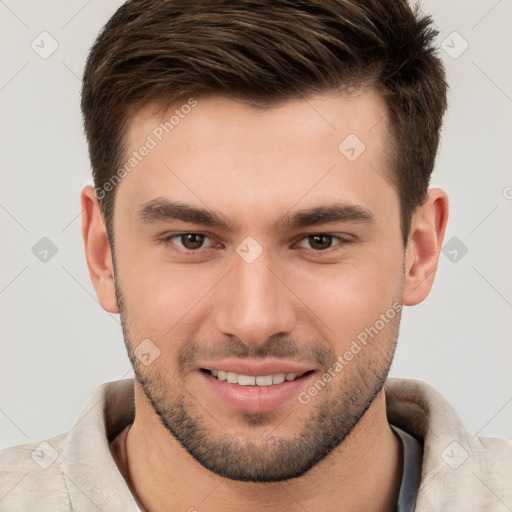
x,y
167,241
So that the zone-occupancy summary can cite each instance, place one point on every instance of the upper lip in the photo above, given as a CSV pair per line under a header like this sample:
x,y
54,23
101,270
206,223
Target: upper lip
x,y
257,368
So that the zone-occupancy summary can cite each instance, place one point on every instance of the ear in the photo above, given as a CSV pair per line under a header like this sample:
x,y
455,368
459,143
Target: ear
x,y
97,250
428,226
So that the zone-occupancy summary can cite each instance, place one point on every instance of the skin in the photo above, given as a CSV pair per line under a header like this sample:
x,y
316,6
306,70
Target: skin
x,y
254,166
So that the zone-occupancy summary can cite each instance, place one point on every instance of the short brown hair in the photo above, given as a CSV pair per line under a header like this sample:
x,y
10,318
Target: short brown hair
x,y
265,52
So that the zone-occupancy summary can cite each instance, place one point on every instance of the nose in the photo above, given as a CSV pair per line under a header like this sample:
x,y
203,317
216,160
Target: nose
x,y
254,303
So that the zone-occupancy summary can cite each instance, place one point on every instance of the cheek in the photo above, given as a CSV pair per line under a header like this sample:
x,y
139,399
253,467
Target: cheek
x,y
164,299
349,298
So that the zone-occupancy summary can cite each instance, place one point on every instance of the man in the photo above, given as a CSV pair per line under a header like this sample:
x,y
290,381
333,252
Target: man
x,y
260,216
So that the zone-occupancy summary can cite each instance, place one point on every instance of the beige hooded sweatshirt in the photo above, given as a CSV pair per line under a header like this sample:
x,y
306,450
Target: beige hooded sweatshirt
x,y
461,472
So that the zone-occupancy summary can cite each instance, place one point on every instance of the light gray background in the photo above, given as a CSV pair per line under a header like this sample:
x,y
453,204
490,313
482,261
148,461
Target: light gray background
x,y
57,343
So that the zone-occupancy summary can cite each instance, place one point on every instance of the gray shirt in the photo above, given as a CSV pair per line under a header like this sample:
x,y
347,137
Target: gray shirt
x,y
411,477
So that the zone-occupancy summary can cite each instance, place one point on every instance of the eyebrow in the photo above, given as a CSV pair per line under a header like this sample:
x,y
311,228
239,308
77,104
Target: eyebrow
x,y
161,210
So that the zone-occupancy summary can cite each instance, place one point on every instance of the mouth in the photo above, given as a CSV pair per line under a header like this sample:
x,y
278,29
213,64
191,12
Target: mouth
x,y
255,386
255,380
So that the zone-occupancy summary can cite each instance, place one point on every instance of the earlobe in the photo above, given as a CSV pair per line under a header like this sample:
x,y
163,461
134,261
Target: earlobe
x,y
97,250
428,226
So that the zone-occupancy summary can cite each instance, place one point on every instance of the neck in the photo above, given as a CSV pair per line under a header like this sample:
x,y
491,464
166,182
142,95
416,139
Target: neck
x,y
363,473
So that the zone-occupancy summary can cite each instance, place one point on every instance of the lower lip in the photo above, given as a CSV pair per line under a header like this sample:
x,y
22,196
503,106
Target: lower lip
x,y
256,399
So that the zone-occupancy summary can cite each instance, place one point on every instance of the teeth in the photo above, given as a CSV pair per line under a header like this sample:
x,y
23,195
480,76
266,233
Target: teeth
x,y
246,380
278,378
232,377
264,381
250,380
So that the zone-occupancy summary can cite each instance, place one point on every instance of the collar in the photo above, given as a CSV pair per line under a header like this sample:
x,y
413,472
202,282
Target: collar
x,y
460,471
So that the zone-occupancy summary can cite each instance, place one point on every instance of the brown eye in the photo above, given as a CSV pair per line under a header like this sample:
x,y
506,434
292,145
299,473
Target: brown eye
x,y
192,241
187,241
322,241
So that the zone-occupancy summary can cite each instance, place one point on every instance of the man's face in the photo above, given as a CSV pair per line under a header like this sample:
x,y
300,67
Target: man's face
x,y
271,292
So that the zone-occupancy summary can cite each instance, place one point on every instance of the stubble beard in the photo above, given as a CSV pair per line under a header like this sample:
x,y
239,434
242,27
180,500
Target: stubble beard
x,y
334,412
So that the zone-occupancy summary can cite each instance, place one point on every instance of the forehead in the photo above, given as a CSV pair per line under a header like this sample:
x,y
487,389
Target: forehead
x,y
220,152
358,111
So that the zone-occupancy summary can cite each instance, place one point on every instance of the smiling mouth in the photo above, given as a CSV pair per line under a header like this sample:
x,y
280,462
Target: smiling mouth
x,y
251,380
